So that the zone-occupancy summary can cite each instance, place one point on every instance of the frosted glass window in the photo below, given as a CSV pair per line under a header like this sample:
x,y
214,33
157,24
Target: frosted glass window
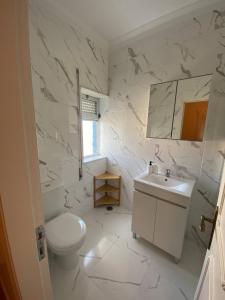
x,y
90,136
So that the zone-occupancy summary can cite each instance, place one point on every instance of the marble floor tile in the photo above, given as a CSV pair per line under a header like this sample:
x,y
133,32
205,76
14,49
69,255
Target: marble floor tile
x,y
116,290
98,241
114,266
71,285
62,280
88,262
156,286
162,290
184,274
119,265
103,244
85,289
117,222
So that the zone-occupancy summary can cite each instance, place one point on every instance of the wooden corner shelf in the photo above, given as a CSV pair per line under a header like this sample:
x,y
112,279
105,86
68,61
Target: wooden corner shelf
x,y
106,200
107,176
106,188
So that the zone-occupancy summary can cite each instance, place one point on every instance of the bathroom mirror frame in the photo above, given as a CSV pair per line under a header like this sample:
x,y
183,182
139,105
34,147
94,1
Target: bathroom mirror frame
x,y
171,129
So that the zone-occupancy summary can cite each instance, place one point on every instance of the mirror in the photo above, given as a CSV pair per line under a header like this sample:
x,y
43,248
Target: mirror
x,y
161,109
178,109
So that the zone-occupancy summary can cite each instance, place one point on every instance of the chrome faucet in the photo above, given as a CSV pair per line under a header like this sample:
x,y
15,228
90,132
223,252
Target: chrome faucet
x,y
168,172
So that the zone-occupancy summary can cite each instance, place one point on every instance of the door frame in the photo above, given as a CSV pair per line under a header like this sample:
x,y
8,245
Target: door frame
x,y
8,279
19,171
220,230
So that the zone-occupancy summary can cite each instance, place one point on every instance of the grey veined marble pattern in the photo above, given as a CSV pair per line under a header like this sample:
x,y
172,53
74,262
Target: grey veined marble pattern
x,y
57,48
193,48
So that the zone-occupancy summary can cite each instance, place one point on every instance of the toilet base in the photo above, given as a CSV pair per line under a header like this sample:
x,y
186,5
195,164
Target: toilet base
x,y
68,262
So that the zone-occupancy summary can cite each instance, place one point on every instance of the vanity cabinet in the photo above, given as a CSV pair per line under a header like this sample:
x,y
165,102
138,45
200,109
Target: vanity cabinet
x,y
160,222
170,227
143,222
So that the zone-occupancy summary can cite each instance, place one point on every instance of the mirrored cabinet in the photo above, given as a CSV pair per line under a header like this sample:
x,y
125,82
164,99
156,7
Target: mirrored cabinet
x,y
161,109
178,109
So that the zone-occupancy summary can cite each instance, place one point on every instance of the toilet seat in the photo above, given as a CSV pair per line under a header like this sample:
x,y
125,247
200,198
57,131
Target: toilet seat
x,y
65,233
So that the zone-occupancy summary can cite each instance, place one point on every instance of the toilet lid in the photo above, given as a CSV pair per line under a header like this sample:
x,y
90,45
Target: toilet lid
x,y
65,231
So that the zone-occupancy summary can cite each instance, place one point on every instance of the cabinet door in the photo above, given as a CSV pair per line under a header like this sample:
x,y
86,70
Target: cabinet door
x,y
143,219
170,228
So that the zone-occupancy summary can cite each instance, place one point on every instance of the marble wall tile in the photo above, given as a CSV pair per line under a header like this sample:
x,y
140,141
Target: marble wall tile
x,y
214,152
192,48
57,47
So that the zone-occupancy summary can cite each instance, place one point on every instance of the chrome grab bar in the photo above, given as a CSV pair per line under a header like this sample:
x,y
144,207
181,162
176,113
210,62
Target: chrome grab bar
x,y
79,126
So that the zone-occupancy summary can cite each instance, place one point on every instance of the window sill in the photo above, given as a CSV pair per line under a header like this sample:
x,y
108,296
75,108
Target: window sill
x,y
93,158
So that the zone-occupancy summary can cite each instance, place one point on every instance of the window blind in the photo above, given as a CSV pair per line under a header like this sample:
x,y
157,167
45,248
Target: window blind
x,y
90,107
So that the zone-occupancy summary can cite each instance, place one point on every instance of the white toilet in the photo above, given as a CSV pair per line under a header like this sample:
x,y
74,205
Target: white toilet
x,y
65,235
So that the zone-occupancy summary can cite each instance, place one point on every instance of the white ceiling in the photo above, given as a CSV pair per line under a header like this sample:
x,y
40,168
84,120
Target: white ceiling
x,y
116,18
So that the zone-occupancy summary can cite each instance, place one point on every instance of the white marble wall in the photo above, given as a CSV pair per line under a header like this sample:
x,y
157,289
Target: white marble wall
x,y
188,49
59,46
214,152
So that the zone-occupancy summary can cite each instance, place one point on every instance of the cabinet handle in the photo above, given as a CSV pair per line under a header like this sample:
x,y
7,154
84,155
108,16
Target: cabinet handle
x,y
211,221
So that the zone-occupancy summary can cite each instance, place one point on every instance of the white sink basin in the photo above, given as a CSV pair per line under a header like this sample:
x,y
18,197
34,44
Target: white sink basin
x,y
163,180
165,187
